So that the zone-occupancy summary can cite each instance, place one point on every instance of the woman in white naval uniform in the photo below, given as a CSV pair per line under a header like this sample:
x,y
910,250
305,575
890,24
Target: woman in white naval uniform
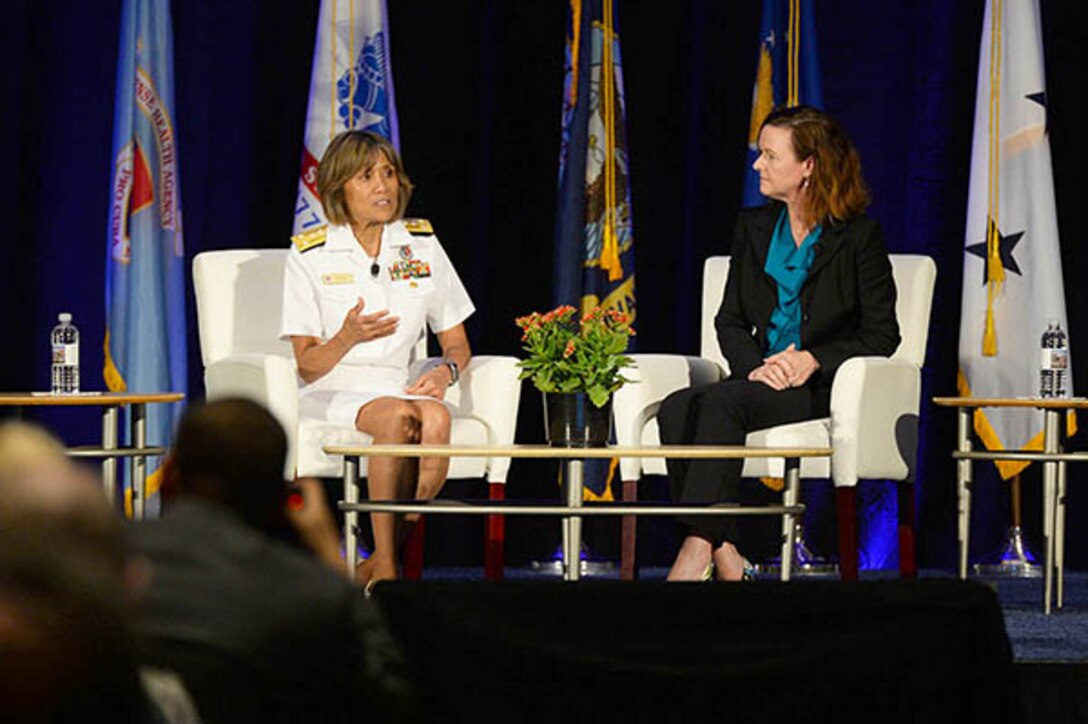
x,y
357,296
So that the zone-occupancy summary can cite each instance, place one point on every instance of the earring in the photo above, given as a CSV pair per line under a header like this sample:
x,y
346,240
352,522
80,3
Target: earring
x,y
804,182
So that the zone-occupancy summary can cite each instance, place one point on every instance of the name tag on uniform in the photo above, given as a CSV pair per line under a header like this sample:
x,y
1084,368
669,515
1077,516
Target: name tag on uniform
x,y
341,278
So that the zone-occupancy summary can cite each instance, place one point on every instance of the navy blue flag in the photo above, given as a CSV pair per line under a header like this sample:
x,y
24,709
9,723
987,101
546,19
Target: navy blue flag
x,y
594,245
787,74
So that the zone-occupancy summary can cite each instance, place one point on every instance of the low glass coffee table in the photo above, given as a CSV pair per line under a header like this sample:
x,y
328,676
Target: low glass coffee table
x,y
571,511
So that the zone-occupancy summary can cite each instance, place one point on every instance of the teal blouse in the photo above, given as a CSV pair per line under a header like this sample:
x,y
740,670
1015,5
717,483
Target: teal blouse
x,y
788,264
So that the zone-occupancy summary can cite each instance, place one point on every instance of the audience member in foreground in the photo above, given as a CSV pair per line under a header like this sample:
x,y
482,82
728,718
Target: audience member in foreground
x,y
258,629
65,647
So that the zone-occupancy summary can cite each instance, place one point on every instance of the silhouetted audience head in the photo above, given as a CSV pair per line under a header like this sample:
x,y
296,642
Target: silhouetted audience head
x,y
65,650
41,487
232,452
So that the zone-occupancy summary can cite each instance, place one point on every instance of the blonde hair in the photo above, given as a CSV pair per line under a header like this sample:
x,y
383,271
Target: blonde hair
x,y
349,153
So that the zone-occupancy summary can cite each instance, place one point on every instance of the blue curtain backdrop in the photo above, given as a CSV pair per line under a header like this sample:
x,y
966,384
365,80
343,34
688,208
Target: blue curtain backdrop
x,y
477,84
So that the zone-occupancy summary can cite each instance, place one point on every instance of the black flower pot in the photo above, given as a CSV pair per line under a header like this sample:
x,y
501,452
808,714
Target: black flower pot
x,y
572,420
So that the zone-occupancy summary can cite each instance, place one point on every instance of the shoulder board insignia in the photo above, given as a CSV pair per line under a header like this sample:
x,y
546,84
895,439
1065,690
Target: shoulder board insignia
x,y
310,239
418,227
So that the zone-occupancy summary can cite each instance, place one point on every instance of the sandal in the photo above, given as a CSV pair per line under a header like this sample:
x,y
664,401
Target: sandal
x,y
708,572
749,573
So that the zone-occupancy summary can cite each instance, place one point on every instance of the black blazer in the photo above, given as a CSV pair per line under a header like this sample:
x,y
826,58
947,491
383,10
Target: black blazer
x,y
847,301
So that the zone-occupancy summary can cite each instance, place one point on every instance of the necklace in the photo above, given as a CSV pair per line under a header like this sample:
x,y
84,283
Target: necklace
x,y
374,267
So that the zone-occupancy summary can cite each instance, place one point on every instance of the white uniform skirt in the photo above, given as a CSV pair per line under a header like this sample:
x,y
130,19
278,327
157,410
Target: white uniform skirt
x,y
337,396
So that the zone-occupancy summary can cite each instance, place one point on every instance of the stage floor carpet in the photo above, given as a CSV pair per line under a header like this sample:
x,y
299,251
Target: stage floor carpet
x,y
1050,653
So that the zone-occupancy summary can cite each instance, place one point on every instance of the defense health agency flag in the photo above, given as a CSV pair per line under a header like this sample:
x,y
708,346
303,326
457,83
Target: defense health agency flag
x,y
351,87
145,298
594,245
1012,271
787,74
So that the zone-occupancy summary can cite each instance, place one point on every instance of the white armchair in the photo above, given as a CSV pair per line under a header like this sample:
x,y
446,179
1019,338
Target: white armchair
x,y
238,296
872,429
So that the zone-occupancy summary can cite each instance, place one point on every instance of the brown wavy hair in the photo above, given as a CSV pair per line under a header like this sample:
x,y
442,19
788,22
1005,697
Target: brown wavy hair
x,y
348,153
836,189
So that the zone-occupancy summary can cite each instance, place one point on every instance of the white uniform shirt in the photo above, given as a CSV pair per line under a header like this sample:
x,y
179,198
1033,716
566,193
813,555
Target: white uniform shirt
x,y
415,282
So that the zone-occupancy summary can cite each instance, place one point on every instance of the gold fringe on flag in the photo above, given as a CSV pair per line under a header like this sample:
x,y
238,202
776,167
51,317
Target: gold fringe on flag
x,y
995,271
763,100
115,381
610,251
575,46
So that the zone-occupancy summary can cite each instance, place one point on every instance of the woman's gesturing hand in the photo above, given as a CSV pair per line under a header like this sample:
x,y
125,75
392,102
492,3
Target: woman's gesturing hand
x,y
359,327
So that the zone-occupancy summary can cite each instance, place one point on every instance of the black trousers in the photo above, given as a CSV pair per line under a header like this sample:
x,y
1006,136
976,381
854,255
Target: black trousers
x,y
723,413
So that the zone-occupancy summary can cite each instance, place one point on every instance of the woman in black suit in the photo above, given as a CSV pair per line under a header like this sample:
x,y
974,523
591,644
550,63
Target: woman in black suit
x,y
810,285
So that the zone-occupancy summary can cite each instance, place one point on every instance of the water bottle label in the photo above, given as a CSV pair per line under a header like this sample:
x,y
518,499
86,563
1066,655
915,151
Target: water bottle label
x,y
66,354
1054,359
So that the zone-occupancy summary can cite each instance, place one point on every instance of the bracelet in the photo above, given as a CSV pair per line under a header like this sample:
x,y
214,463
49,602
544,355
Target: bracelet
x,y
455,371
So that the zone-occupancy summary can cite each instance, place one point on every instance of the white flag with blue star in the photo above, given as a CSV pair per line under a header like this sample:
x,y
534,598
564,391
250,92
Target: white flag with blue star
x,y
351,87
1012,270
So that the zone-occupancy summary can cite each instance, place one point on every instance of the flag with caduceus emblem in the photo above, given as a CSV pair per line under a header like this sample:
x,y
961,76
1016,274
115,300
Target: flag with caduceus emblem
x,y
351,88
1012,270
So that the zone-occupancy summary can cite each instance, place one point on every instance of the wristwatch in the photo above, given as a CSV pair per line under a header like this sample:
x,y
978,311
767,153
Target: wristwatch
x,y
455,371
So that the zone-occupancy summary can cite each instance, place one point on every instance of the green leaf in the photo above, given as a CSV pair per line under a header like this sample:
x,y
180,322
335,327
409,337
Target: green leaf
x,y
598,395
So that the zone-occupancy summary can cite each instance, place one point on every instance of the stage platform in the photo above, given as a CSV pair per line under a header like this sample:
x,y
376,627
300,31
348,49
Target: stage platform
x,y
1041,677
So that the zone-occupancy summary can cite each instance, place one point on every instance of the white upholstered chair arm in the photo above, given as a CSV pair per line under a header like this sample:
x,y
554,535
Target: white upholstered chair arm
x,y
268,379
489,391
874,420
653,378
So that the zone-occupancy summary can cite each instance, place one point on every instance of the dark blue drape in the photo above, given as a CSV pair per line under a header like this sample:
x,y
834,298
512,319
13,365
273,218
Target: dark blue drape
x,y
479,85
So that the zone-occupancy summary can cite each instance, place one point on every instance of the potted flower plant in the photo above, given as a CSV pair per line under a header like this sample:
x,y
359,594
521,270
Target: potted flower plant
x,y
575,361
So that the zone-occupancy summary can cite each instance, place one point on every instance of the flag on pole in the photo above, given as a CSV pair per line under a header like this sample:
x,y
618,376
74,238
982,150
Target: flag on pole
x,y
594,245
787,74
351,87
145,297
1012,270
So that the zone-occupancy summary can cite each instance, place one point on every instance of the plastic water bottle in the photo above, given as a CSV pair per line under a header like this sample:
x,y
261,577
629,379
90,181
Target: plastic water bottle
x,y
65,341
1054,361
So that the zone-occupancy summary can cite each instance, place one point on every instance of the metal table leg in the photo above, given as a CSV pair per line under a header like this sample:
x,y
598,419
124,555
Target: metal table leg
x,y
109,442
1059,536
572,524
1051,423
138,435
963,487
351,517
790,495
